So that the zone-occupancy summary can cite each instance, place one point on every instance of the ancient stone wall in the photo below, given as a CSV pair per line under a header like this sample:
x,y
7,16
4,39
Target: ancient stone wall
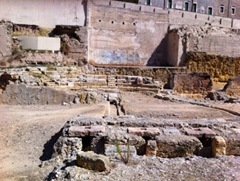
x,y
225,45
5,39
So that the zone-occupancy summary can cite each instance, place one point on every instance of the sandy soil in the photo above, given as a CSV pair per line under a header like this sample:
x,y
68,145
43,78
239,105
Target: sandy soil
x,y
24,130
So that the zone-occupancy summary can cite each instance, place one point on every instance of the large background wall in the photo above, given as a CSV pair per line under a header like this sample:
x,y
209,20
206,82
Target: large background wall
x,y
120,33
224,45
136,34
44,13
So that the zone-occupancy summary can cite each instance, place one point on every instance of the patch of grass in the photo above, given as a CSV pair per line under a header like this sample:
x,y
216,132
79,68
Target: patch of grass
x,y
124,155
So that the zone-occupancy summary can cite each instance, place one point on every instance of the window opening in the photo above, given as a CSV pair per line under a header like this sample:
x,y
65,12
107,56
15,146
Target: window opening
x,y
233,10
210,10
170,4
148,2
222,9
186,6
194,8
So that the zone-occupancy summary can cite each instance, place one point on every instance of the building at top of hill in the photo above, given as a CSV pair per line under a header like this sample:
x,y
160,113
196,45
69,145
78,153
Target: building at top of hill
x,y
224,8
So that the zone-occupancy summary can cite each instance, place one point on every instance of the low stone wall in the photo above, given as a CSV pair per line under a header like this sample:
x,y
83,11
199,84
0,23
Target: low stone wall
x,y
25,95
161,139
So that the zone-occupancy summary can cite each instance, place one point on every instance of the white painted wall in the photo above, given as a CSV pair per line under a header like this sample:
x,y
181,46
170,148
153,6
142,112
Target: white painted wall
x,y
44,13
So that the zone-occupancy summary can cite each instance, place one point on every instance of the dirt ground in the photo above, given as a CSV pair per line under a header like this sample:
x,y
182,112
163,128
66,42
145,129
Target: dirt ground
x,y
146,106
25,130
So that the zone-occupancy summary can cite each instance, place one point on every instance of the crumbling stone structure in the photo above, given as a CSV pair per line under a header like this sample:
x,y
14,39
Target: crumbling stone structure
x,y
164,140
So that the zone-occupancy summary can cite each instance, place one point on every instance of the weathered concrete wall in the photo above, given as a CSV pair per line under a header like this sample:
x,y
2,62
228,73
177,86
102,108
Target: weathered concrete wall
x,y
226,45
175,48
136,34
121,36
45,13
191,18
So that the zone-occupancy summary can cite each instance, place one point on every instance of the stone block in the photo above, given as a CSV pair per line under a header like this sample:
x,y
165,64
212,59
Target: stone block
x,y
70,84
39,43
132,6
112,151
150,9
177,146
67,148
123,138
82,131
232,87
191,83
218,146
171,131
117,4
200,132
143,131
151,148
92,161
5,39
233,145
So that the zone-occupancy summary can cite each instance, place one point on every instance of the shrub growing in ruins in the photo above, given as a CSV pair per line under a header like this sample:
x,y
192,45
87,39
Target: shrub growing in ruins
x,y
124,155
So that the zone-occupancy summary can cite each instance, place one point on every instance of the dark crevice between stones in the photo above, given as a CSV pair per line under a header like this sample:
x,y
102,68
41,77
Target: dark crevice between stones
x,y
142,149
95,144
86,143
206,151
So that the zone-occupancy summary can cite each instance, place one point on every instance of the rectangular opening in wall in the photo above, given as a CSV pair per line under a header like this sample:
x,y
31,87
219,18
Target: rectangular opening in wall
x,y
148,2
233,10
210,11
170,4
222,9
186,6
194,7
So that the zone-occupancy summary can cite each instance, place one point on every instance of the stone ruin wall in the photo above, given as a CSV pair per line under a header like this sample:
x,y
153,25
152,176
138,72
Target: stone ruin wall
x,y
205,49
